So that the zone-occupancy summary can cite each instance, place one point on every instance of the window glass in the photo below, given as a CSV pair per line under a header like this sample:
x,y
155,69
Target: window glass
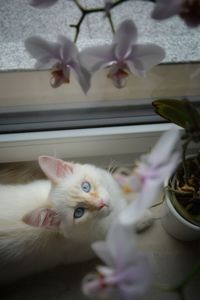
x,y
27,97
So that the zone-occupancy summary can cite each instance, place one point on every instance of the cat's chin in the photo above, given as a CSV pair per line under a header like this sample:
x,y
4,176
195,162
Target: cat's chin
x,y
105,211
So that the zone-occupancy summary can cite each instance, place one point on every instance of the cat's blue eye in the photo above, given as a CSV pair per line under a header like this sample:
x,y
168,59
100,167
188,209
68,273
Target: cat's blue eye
x,y
86,186
79,212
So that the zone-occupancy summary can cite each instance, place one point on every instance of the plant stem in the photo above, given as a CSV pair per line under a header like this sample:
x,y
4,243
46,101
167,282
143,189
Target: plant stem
x,y
111,23
158,203
77,27
86,11
184,160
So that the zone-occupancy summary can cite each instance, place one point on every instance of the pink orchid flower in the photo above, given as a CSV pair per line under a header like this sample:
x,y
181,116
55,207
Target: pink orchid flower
x,y
149,175
42,3
62,57
128,273
188,10
123,55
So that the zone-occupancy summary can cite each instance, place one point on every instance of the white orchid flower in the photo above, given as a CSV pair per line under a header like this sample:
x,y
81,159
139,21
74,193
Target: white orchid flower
x,y
62,57
124,55
128,273
148,177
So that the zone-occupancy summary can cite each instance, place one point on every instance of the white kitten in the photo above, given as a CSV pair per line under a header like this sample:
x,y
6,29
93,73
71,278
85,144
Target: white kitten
x,y
46,223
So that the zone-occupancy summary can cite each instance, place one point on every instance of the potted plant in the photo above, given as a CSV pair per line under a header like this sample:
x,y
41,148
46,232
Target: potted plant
x,y
181,216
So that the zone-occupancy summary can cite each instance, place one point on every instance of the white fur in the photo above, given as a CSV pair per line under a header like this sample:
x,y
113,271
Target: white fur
x,y
25,249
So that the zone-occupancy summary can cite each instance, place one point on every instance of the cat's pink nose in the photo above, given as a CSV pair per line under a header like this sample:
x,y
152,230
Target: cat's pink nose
x,y
102,204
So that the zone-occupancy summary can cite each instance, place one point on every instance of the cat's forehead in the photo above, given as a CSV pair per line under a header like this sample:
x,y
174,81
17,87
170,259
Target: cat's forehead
x,y
87,170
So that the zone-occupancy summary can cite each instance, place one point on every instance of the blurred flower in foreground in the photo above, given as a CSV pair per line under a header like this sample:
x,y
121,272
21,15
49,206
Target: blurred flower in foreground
x,y
42,3
148,176
123,55
128,273
188,10
62,57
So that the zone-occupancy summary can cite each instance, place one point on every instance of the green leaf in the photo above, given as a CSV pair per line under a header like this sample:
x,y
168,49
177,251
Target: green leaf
x,y
180,112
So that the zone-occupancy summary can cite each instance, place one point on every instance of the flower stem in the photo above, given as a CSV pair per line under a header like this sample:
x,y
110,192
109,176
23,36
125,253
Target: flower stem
x,y
184,160
77,27
158,203
86,11
111,23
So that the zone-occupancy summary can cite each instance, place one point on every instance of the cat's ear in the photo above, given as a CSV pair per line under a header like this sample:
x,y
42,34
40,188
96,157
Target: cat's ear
x,y
42,217
55,169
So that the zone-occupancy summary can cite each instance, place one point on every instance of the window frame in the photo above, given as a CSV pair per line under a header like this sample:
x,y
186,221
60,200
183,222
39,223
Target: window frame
x,y
122,144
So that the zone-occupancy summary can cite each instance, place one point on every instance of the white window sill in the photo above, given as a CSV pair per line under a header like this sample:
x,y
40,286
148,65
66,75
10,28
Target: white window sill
x,y
105,144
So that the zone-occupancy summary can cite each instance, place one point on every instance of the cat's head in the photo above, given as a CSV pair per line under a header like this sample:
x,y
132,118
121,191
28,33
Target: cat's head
x,y
80,196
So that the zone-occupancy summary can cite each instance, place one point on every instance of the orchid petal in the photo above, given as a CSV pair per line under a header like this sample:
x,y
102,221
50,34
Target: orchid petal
x,y
102,251
152,170
118,76
42,3
107,272
165,9
96,58
68,51
62,56
138,278
135,211
93,287
56,82
82,75
119,83
90,285
128,183
126,283
146,56
45,52
47,63
149,194
125,37
165,171
57,79
117,252
121,244
135,67
163,149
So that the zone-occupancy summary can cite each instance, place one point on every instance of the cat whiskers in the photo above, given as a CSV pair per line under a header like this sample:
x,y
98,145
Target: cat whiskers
x,y
112,167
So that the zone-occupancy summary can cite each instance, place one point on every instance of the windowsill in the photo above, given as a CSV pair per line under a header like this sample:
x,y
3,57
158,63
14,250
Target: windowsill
x,y
120,144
